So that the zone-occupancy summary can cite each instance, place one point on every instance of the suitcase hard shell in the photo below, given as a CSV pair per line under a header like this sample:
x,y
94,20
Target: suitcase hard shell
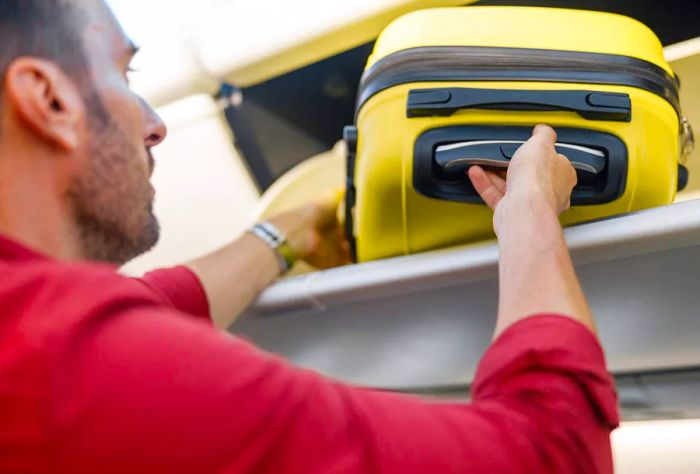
x,y
450,87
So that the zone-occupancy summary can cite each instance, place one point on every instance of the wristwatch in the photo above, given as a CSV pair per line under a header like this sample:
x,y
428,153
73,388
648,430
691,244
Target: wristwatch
x,y
276,240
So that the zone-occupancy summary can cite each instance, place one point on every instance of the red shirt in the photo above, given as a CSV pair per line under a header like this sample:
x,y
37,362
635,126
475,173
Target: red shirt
x,y
104,374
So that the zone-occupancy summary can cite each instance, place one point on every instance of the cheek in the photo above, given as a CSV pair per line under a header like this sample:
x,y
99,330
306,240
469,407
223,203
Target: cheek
x,y
126,111
80,163
127,115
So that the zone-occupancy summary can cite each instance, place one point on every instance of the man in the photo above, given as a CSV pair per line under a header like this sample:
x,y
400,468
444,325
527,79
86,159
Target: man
x,y
100,373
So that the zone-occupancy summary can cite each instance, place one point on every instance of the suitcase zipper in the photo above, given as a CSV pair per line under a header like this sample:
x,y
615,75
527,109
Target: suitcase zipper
x,y
481,63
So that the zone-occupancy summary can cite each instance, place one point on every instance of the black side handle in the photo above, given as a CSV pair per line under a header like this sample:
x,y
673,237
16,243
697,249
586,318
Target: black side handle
x,y
350,135
683,177
590,105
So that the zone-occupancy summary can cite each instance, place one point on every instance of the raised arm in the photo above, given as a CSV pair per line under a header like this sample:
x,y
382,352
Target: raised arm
x,y
536,272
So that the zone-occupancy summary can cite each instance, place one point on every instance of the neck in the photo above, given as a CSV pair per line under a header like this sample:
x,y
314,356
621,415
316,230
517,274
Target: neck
x,y
40,231
32,214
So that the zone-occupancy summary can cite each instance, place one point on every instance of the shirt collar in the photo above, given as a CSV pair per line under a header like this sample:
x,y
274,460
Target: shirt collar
x,y
11,250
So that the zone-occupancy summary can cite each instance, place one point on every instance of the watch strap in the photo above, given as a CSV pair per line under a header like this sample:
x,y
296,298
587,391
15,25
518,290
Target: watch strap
x,y
276,240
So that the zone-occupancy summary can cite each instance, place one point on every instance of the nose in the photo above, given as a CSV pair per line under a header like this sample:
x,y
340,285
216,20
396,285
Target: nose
x,y
154,127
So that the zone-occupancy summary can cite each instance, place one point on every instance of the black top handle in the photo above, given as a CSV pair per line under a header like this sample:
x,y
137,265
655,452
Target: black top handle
x,y
590,105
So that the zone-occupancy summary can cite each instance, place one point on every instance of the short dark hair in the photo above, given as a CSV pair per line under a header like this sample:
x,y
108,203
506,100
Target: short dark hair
x,y
48,29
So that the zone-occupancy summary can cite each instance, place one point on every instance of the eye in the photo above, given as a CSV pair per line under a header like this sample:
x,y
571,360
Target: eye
x,y
130,69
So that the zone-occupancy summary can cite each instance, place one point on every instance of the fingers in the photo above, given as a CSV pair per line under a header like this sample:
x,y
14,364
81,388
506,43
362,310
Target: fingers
x,y
568,177
545,132
498,179
543,139
502,174
490,187
325,210
535,165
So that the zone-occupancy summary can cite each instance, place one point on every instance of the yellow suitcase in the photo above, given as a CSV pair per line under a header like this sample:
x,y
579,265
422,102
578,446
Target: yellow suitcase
x,y
448,88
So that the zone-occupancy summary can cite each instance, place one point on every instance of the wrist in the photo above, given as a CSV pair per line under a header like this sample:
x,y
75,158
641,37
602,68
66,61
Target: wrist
x,y
296,227
276,240
261,258
520,211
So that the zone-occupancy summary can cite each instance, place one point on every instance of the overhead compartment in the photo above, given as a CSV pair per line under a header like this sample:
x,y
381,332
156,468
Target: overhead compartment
x,y
420,323
660,395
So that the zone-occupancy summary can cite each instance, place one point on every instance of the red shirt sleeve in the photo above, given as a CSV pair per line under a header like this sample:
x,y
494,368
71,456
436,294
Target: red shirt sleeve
x,y
136,387
181,288
545,379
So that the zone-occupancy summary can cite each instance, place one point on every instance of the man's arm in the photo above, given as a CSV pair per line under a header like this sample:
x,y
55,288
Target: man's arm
x,y
536,272
234,275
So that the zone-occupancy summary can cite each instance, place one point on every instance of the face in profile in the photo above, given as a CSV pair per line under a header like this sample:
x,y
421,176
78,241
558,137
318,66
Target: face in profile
x,y
111,194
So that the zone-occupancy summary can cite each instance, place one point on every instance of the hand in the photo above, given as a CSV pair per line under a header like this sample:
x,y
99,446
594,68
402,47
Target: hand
x,y
315,234
537,176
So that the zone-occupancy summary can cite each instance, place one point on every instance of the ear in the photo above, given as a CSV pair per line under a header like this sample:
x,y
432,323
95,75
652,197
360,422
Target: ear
x,y
46,100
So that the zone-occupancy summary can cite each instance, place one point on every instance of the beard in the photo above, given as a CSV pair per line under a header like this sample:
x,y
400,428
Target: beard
x,y
113,199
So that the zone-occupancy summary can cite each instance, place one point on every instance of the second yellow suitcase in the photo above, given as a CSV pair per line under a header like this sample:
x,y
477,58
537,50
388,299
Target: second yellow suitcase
x,y
452,87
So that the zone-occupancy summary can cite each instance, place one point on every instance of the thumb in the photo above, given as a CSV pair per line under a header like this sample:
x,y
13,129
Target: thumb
x,y
546,133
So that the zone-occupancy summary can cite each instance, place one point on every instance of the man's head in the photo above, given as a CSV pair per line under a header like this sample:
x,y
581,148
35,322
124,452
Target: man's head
x,y
67,109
